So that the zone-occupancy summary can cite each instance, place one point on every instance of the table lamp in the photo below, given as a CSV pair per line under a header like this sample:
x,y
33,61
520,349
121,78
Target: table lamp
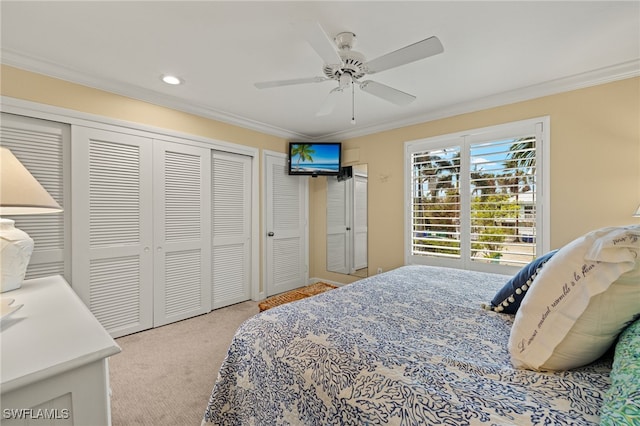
x,y
637,213
20,194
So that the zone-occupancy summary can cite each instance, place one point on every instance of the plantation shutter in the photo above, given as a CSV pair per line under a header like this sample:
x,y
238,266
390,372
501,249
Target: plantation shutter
x,y
475,197
503,200
337,223
231,206
113,228
41,146
436,202
182,217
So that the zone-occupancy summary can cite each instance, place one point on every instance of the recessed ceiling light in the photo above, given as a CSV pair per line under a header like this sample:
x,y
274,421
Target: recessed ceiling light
x,y
171,79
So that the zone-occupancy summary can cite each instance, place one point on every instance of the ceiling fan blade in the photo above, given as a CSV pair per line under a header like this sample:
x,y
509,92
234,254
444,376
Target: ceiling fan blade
x,y
411,53
387,93
329,102
278,83
315,35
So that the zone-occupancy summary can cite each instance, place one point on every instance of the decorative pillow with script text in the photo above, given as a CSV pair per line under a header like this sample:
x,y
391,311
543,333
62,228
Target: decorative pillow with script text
x,y
582,299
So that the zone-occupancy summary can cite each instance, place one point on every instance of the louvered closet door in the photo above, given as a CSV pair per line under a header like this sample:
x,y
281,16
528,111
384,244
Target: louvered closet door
x,y
182,215
112,236
231,206
41,146
338,222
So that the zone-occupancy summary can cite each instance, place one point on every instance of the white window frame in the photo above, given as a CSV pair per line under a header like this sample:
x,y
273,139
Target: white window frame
x,y
541,127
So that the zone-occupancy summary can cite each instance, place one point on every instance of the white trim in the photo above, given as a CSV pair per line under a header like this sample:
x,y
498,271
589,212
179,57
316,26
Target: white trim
x,y
542,131
73,117
544,201
19,60
595,77
255,229
314,280
263,191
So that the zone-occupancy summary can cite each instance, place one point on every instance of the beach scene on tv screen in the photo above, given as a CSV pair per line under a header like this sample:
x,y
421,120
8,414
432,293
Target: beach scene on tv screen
x,y
315,158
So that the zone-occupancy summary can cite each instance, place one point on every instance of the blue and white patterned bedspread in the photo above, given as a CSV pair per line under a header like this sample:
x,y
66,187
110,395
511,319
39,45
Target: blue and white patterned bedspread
x,y
409,347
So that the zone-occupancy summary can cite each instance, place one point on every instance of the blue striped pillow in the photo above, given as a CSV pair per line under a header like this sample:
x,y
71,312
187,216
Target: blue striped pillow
x,y
508,299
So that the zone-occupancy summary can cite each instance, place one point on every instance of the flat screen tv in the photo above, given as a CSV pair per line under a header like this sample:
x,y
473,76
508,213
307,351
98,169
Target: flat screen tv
x,y
315,158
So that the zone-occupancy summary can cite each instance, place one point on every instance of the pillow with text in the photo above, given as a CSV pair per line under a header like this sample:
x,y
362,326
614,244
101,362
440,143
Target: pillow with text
x,y
582,298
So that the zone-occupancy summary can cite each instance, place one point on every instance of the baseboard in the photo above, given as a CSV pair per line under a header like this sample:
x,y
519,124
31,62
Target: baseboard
x,y
316,280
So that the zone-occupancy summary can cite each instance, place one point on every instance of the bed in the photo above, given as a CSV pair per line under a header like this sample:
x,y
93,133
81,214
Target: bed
x,y
412,346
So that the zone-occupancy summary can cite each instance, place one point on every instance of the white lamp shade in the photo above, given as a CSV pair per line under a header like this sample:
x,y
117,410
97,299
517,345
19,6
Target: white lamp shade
x,y
20,192
637,213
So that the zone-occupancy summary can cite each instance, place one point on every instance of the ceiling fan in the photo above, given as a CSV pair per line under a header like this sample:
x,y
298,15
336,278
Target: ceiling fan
x,y
347,67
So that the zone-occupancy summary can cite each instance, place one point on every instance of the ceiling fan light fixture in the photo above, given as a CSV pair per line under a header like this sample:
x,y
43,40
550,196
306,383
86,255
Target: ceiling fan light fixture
x,y
345,80
172,79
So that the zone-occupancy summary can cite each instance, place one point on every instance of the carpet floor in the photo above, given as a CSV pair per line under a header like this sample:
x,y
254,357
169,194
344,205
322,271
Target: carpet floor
x,y
164,376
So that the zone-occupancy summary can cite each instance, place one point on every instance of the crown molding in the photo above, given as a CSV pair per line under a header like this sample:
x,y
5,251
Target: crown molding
x,y
604,75
25,62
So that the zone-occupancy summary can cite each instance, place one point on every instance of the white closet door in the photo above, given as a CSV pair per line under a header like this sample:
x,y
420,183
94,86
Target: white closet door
x,y
286,226
338,223
231,207
41,146
112,235
182,222
360,226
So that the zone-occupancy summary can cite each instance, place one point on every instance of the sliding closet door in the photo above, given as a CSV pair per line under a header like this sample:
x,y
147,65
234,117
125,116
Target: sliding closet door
x,y
182,218
231,206
112,234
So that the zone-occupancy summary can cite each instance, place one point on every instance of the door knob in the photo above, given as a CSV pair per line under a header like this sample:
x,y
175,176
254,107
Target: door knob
x,y
270,234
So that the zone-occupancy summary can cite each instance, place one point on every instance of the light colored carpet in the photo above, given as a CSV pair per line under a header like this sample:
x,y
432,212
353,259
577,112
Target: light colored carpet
x,y
164,376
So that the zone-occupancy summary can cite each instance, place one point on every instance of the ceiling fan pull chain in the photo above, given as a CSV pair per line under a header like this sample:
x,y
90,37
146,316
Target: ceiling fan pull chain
x,y
353,104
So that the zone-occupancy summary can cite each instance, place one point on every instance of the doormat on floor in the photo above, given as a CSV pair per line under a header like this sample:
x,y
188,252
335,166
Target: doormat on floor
x,y
293,295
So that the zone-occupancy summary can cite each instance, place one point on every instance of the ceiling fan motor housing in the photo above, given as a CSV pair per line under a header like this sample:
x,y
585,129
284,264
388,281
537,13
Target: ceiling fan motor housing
x,y
353,63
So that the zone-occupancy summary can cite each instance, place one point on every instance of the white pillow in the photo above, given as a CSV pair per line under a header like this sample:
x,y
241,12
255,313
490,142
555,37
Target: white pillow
x,y
583,298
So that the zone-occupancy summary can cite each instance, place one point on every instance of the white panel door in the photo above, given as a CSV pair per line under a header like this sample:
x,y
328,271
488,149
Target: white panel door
x,y
182,237
338,226
112,231
286,227
231,207
360,226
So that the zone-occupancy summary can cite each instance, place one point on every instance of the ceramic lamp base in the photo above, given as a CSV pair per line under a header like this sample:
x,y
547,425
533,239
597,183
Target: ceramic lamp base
x,y
15,251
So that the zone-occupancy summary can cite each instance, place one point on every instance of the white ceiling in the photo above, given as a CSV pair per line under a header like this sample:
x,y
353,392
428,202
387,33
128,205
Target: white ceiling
x,y
494,53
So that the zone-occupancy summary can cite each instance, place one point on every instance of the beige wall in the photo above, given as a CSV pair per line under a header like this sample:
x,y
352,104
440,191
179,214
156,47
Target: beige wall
x,y
595,155
33,87
595,168
25,85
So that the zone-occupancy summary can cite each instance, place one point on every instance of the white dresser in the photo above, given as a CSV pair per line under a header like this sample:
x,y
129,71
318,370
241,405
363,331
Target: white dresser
x,y
54,354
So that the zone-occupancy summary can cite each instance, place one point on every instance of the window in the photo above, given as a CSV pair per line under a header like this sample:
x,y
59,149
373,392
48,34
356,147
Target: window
x,y
477,199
